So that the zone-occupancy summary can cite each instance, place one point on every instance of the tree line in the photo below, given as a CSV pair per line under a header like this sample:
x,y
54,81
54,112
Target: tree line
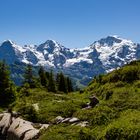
x,y
48,80
45,79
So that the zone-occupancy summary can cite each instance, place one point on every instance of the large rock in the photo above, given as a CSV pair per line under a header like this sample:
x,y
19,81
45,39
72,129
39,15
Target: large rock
x,y
20,129
15,128
5,123
1,115
93,101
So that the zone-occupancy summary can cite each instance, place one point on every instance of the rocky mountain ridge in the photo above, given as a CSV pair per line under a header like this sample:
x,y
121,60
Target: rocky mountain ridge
x,y
83,64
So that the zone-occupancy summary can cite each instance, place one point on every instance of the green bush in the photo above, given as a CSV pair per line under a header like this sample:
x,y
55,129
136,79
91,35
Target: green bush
x,y
28,112
126,127
99,115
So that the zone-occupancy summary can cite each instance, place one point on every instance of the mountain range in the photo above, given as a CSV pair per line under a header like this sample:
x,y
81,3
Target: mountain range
x,y
82,65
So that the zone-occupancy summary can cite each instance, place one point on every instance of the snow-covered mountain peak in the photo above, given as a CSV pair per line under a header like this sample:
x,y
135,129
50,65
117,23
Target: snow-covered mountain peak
x,y
108,41
8,43
50,42
50,46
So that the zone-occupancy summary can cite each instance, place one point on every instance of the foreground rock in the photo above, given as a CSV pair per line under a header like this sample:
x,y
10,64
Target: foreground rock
x,y
22,129
15,128
12,128
5,123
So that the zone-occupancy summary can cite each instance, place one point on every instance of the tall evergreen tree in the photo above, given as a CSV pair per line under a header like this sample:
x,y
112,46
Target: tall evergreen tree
x,y
62,85
47,75
57,80
51,83
42,76
6,86
28,76
69,84
4,76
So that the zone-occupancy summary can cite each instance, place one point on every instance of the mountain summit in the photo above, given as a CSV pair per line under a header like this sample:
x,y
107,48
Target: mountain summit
x,y
102,56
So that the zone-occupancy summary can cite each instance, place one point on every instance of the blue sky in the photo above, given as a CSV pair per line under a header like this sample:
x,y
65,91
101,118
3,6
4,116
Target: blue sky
x,y
73,23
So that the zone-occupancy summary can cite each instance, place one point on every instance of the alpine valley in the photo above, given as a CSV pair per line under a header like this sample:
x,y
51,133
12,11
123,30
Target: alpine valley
x,y
82,65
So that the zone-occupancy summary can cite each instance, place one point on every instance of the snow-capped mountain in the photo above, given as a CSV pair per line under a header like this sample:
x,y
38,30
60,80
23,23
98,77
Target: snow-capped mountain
x,y
102,56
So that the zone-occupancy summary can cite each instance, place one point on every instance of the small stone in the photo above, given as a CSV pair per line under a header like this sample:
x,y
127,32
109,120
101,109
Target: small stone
x,y
59,119
66,120
83,124
44,126
73,120
36,107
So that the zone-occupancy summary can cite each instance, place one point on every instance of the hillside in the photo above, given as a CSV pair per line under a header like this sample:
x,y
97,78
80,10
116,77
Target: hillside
x,y
116,116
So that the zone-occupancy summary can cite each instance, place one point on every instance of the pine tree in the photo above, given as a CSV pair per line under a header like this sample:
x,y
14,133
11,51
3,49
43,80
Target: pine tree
x,y
42,76
51,83
28,77
62,86
57,80
47,75
6,86
4,76
69,84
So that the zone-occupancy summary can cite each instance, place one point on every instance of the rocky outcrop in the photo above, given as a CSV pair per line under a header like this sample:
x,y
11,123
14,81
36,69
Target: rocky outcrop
x,y
71,121
5,123
12,128
21,129
93,102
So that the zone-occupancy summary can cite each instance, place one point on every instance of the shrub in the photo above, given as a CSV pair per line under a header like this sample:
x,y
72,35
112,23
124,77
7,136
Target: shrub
x,y
99,115
126,127
28,112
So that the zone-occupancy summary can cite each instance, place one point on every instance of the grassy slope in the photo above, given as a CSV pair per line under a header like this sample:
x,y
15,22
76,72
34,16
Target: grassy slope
x,y
115,117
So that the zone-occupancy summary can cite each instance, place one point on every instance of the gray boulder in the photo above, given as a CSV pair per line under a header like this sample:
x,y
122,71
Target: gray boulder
x,y
20,129
5,123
